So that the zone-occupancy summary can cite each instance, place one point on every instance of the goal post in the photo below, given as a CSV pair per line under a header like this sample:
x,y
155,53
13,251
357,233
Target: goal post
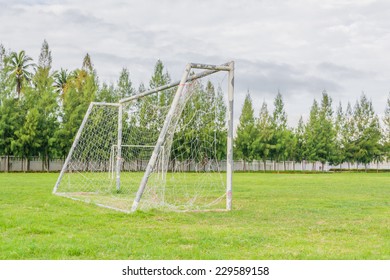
x,y
143,128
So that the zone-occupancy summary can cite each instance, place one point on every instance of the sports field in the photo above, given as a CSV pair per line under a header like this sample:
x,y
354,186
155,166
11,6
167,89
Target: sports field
x,y
275,216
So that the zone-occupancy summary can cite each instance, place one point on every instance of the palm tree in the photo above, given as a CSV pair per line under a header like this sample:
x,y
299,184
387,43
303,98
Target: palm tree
x,y
61,79
18,65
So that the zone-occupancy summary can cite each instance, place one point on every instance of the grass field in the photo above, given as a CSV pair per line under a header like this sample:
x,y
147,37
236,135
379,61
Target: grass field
x,y
275,216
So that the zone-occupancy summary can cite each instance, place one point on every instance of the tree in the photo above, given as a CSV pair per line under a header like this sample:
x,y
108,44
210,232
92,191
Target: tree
x,y
280,132
300,141
106,93
18,65
153,108
246,131
262,145
10,111
2,57
80,91
5,90
11,119
338,149
201,131
124,85
45,58
61,79
348,135
368,134
219,124
311,134
326,133
87,65
43,97
159,78
27,139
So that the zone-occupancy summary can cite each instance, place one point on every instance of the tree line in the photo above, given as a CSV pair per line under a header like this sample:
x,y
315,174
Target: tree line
x,y
354,135
41,108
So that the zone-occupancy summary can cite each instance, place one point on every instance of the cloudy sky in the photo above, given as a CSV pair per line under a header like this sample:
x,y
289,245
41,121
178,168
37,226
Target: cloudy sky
x,y
299,47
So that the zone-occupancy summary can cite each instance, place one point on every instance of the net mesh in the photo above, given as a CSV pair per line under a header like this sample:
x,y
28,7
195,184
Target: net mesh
x,y
188,173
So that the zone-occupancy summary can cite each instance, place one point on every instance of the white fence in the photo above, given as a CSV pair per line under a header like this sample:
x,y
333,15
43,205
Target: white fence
x,y
36,164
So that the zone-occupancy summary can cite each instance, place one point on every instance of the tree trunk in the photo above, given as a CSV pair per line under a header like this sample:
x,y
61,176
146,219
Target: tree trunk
x,y
18,88
265,165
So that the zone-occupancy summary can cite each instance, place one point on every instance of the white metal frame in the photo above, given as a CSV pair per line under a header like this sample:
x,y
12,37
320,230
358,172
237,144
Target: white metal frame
x,y
186,77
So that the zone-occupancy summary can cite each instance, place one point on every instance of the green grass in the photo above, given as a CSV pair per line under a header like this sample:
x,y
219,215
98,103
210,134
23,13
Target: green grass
x,y
275,216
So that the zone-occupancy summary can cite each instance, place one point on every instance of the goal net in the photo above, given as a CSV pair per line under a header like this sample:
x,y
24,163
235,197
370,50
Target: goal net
x,y
168,148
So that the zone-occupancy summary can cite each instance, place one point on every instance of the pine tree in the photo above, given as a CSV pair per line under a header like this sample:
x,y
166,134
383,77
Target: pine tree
x,y
246,131
326,133
45,58
87,64
106,93
281,136
153,107
262,145
348,135
311,134
158,79
44,97
124,86
368,134
220,128
300,141
338,154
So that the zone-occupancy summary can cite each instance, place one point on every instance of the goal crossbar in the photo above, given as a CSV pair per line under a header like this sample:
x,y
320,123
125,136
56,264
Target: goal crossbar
x,y
211,69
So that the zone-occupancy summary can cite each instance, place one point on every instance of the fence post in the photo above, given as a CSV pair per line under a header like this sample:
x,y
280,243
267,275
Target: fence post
x,y
7,163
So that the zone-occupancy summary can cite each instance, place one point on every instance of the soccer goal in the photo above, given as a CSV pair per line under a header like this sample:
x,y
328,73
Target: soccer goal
x,y
169,147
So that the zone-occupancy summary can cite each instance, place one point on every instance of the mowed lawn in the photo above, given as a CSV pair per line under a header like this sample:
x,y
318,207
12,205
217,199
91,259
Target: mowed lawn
x,y
275,216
